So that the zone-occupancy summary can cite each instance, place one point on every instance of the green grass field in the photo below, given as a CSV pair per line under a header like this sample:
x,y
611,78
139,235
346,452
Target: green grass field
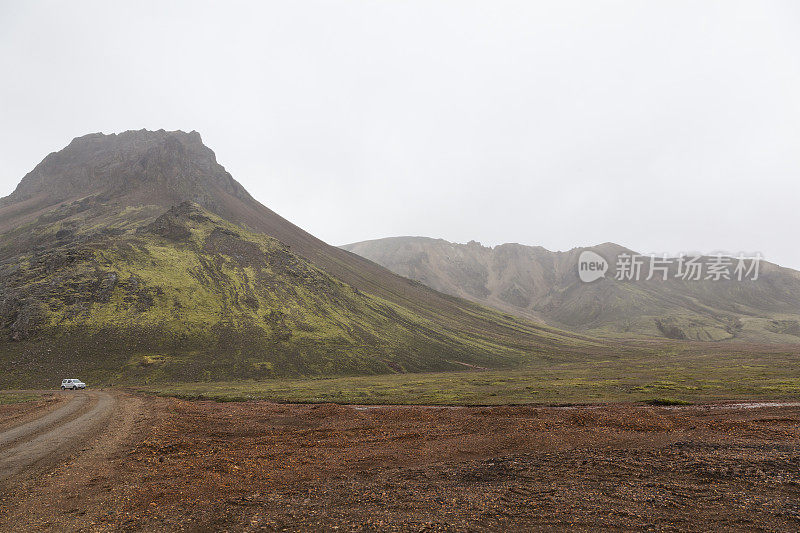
x,y
8,398
685,375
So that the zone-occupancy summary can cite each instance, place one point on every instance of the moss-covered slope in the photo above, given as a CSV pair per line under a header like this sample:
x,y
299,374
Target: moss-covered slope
x,y
119,295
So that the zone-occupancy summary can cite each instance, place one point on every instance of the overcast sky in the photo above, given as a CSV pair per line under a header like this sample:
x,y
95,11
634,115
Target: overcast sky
x,y
663,126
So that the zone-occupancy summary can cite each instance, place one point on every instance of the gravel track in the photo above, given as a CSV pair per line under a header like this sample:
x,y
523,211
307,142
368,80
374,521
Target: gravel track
x,y
43,441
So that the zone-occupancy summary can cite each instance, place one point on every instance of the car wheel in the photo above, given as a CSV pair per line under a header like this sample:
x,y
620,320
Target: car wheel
x,y
62,387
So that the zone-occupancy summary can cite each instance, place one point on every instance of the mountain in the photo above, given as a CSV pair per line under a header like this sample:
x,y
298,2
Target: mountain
x,y
137,256
535,283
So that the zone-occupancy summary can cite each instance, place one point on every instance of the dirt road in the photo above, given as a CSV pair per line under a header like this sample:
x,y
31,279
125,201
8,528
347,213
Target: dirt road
x,y
42,441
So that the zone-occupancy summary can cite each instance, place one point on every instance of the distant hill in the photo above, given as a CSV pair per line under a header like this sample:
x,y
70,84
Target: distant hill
x,y
138,257
536,283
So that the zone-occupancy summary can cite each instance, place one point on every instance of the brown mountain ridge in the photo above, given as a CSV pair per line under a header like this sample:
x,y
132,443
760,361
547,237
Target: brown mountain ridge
x,y
536,283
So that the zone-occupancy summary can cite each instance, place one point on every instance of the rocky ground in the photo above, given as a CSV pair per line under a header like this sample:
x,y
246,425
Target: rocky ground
x,y
167,464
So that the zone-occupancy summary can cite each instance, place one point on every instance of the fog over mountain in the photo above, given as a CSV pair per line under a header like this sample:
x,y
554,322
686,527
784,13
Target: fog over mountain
x,y
665,127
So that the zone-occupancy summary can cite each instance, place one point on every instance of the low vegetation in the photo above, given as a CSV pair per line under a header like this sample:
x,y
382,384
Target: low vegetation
x,y
9,398
671,378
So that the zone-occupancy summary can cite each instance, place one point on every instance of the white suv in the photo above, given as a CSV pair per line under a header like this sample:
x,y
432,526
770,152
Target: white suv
x,y
73,384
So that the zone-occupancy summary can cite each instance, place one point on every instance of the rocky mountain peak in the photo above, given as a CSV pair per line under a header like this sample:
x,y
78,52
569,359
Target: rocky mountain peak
x,y
148,167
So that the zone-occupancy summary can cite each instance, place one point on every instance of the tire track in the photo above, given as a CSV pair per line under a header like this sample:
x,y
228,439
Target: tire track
x,y
74,406
46,439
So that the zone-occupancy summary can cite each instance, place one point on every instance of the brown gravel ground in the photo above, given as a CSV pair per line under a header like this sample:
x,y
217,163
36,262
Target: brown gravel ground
x,y
167,464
